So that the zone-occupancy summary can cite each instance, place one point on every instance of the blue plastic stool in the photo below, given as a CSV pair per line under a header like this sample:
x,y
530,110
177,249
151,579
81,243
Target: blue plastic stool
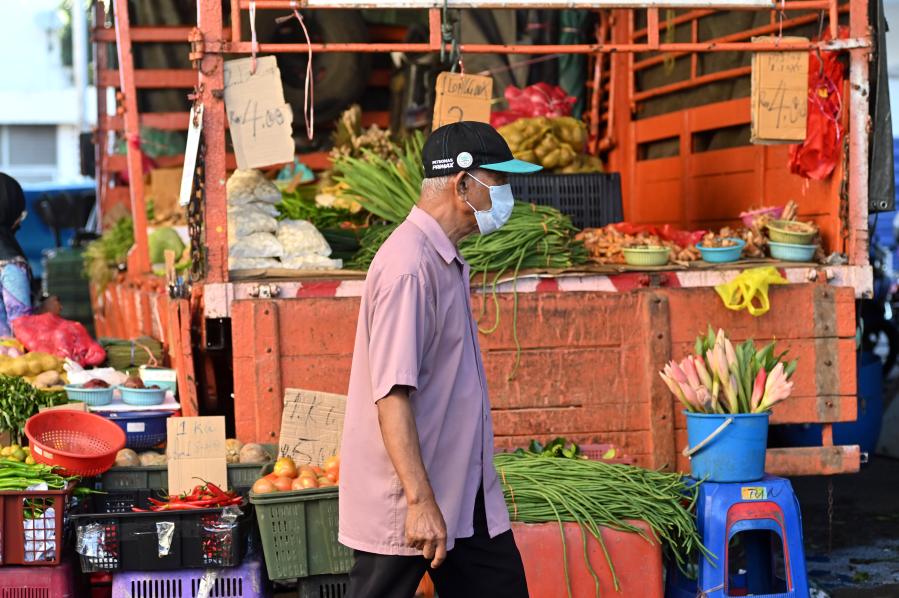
x,y
725,510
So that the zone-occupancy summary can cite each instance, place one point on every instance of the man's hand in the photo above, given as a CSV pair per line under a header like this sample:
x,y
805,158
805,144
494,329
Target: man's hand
x,y
426,530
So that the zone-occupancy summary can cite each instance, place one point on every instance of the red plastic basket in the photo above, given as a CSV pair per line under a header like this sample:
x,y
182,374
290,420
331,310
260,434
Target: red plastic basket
x,y
79,443
29,535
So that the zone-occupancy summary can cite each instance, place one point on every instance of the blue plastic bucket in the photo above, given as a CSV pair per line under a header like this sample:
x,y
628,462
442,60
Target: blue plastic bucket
x,y
727,452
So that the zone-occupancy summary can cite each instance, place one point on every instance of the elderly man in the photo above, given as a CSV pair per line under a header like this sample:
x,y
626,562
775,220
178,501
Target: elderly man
x,y
418,490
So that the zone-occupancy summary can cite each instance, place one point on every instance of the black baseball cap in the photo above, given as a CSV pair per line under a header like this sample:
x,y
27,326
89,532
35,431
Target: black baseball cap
x,y
468,145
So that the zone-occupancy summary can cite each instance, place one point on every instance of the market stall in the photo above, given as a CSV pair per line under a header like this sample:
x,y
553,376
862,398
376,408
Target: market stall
x,y
294,329
651,223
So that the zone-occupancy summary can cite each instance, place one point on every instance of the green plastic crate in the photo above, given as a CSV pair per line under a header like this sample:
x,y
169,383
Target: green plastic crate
x,y
240,475
299,534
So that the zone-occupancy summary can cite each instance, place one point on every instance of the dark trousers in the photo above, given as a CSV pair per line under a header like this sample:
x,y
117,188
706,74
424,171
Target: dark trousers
x,y
476,567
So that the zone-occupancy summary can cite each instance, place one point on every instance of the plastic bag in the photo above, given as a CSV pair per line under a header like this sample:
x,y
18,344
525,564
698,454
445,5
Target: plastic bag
x,y
817,156
253,263
540,99
681,238
311,262
81,376
48,333
246,220
257,245
246,186
749,290
299,237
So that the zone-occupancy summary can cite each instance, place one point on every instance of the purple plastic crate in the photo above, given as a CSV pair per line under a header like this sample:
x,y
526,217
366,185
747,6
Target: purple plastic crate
x,y
246,581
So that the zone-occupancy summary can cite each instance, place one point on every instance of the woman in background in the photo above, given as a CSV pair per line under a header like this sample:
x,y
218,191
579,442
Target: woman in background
x,y
15,275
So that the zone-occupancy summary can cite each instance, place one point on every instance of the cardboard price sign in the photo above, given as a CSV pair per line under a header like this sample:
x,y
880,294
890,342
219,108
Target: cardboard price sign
x,y
462,97
311,426
196,449
259,118
779,94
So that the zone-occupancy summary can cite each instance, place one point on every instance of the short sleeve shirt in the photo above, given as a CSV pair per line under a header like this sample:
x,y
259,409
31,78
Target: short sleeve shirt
x,y
416,329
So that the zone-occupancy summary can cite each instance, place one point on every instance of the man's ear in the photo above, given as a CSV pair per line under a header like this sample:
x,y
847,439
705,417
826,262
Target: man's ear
x,y
460,185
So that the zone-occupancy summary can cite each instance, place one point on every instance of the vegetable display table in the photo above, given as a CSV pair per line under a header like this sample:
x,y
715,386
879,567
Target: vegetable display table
x,y
637,562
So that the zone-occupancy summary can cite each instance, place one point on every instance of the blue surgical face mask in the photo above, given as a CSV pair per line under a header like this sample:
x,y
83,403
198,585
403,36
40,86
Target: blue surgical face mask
x,y
500,211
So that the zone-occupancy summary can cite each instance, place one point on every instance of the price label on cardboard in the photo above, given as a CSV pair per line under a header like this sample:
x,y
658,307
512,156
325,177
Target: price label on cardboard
x,y
311,426
462,97
779,94
260,120
196,449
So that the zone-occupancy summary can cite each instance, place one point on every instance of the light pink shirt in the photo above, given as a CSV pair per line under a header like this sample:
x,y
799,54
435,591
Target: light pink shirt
x,y
416,329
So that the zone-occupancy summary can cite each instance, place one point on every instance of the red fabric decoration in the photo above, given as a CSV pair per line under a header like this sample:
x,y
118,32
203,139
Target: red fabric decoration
x,y
819,154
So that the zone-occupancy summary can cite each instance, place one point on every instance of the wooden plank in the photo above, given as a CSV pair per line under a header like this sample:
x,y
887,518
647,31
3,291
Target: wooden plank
x,y
258,388
656,331
792,314
813,460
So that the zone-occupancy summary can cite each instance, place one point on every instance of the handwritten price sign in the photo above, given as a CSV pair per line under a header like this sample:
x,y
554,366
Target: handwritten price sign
x,y
311,425
779,95
196,449
462,97
260,120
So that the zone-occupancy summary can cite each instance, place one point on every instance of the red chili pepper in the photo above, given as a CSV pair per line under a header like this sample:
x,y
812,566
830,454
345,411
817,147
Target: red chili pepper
x,y
139,510
153,501
218,492
182,506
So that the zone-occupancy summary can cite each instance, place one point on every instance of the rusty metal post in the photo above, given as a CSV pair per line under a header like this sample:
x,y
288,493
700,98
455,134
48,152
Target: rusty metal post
x,y
859,123
101,62
139,257
210,90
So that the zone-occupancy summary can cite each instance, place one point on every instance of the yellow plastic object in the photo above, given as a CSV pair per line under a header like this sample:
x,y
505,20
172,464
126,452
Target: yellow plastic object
x,y
749,290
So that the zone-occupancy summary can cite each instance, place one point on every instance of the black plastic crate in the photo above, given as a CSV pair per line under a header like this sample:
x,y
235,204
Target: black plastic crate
x,y
323,586
591,200
138,541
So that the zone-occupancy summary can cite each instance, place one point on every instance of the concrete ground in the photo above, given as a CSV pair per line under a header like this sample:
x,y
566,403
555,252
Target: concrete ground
x,y
864,561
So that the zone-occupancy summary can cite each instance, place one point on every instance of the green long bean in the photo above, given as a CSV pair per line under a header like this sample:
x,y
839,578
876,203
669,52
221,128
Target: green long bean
x,y
595,494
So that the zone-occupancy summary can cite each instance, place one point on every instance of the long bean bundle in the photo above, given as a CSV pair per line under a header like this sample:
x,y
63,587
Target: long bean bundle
x,y
535,236
594,494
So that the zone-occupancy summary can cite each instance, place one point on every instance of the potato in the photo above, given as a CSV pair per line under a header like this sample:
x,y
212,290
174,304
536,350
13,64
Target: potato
x,y
254,453
127,458
46,379
232,450
151,458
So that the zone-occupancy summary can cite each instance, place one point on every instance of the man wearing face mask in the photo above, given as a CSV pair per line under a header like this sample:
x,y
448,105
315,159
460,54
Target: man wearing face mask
x,y
418,490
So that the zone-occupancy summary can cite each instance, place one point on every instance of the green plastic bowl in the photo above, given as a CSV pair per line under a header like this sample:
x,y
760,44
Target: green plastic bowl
x,y
646,256
778,233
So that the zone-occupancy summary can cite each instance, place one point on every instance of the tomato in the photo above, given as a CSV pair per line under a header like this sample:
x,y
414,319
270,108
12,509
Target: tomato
x,y
332,476
285,467
263,486
318,470
308,482
308,473
332,463
306,469
283,483
297,483
271,477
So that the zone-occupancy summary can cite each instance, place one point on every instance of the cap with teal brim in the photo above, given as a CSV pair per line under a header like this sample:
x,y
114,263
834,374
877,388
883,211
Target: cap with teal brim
x,y
469,145
513,167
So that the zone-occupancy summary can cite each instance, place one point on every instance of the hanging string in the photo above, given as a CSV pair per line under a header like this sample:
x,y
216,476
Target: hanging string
x,y
254,44
308,85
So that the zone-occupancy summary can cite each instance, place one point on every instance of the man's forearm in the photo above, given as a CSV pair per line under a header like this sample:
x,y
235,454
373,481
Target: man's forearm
x,y
401,441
